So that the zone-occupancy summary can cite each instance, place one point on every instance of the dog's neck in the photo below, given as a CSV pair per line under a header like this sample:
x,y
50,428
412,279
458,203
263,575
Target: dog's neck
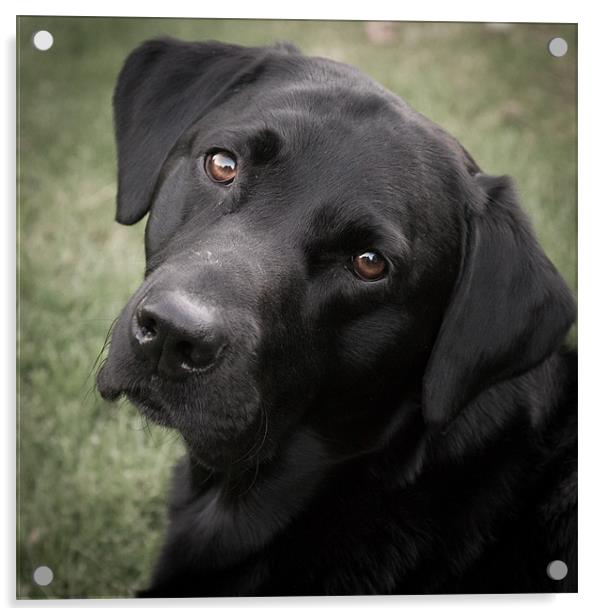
x,y
219,520
235,516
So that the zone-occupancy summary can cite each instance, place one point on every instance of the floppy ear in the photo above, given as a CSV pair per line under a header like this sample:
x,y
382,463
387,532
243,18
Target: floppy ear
x,y
509,310
164,86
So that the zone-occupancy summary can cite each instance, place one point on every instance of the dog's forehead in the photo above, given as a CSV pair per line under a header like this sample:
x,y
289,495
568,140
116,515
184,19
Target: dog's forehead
x,y
326,110
304,103
338,139
332,98
302,95
331,129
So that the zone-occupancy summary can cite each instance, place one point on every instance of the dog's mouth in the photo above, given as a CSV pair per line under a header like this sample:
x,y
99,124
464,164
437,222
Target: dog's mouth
x,y
205,425
155,411
139,396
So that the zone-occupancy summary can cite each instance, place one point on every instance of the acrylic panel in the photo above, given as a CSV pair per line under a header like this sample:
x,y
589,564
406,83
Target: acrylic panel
x,y
296,308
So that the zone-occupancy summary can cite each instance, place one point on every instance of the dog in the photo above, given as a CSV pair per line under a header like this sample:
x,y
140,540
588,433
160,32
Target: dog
x,y
352,327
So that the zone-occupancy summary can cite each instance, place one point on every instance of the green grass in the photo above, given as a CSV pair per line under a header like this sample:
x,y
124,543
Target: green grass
x,y
92,476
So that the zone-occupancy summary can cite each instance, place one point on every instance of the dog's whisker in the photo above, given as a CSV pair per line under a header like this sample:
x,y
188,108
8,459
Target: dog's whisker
x,y
253,480
99,360
257,443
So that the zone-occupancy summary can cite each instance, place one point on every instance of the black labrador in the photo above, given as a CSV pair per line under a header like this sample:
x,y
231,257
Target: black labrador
x,y
353,328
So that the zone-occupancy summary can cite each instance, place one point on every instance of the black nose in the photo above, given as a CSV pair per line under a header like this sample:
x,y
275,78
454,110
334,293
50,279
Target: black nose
x,y
177,335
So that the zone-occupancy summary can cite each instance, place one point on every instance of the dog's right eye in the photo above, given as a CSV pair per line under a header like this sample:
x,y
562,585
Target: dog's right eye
x,y
221,166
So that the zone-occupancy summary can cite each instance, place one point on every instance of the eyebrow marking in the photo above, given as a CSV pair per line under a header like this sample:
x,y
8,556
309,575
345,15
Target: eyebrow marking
x,y
265,145
348,227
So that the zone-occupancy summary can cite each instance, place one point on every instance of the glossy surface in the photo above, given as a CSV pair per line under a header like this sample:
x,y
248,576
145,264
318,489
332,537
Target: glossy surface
x,y
221,167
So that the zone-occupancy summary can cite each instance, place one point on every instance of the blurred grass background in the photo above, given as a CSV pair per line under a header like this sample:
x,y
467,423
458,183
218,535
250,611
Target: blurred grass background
x,y
92,477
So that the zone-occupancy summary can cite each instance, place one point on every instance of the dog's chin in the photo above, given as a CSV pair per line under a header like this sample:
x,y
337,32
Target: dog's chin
x,y
220,455
211,442
208,448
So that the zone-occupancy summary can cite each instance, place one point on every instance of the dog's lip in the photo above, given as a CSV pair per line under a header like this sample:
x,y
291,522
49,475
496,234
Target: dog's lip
x,y
106,388
156,411
146,402
139,396
112,390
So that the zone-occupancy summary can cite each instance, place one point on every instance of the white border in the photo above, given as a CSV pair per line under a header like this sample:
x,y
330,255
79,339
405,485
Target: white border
x,y
460,10
590,313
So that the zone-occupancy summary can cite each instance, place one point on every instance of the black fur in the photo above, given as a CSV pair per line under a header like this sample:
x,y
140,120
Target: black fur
x,y
416,434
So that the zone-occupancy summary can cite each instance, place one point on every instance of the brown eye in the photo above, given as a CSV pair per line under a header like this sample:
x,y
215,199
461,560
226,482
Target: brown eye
x,y
369,266
221,166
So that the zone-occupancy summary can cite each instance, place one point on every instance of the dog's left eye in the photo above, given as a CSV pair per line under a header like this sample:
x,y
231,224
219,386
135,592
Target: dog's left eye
x,y
221,166
369,266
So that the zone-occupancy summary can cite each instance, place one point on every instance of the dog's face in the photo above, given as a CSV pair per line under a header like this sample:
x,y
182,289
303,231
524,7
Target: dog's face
x,y
316,253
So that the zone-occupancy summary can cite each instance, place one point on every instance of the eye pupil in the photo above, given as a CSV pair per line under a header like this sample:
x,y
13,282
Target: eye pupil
x,y
369,265
221,166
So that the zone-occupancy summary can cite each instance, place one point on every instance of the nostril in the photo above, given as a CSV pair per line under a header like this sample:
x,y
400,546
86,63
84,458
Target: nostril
x,y
147,335
184,350
176,336
147,328
196,355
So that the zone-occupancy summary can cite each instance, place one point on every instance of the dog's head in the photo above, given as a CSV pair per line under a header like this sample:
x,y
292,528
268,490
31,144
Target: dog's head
x,y
317,252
